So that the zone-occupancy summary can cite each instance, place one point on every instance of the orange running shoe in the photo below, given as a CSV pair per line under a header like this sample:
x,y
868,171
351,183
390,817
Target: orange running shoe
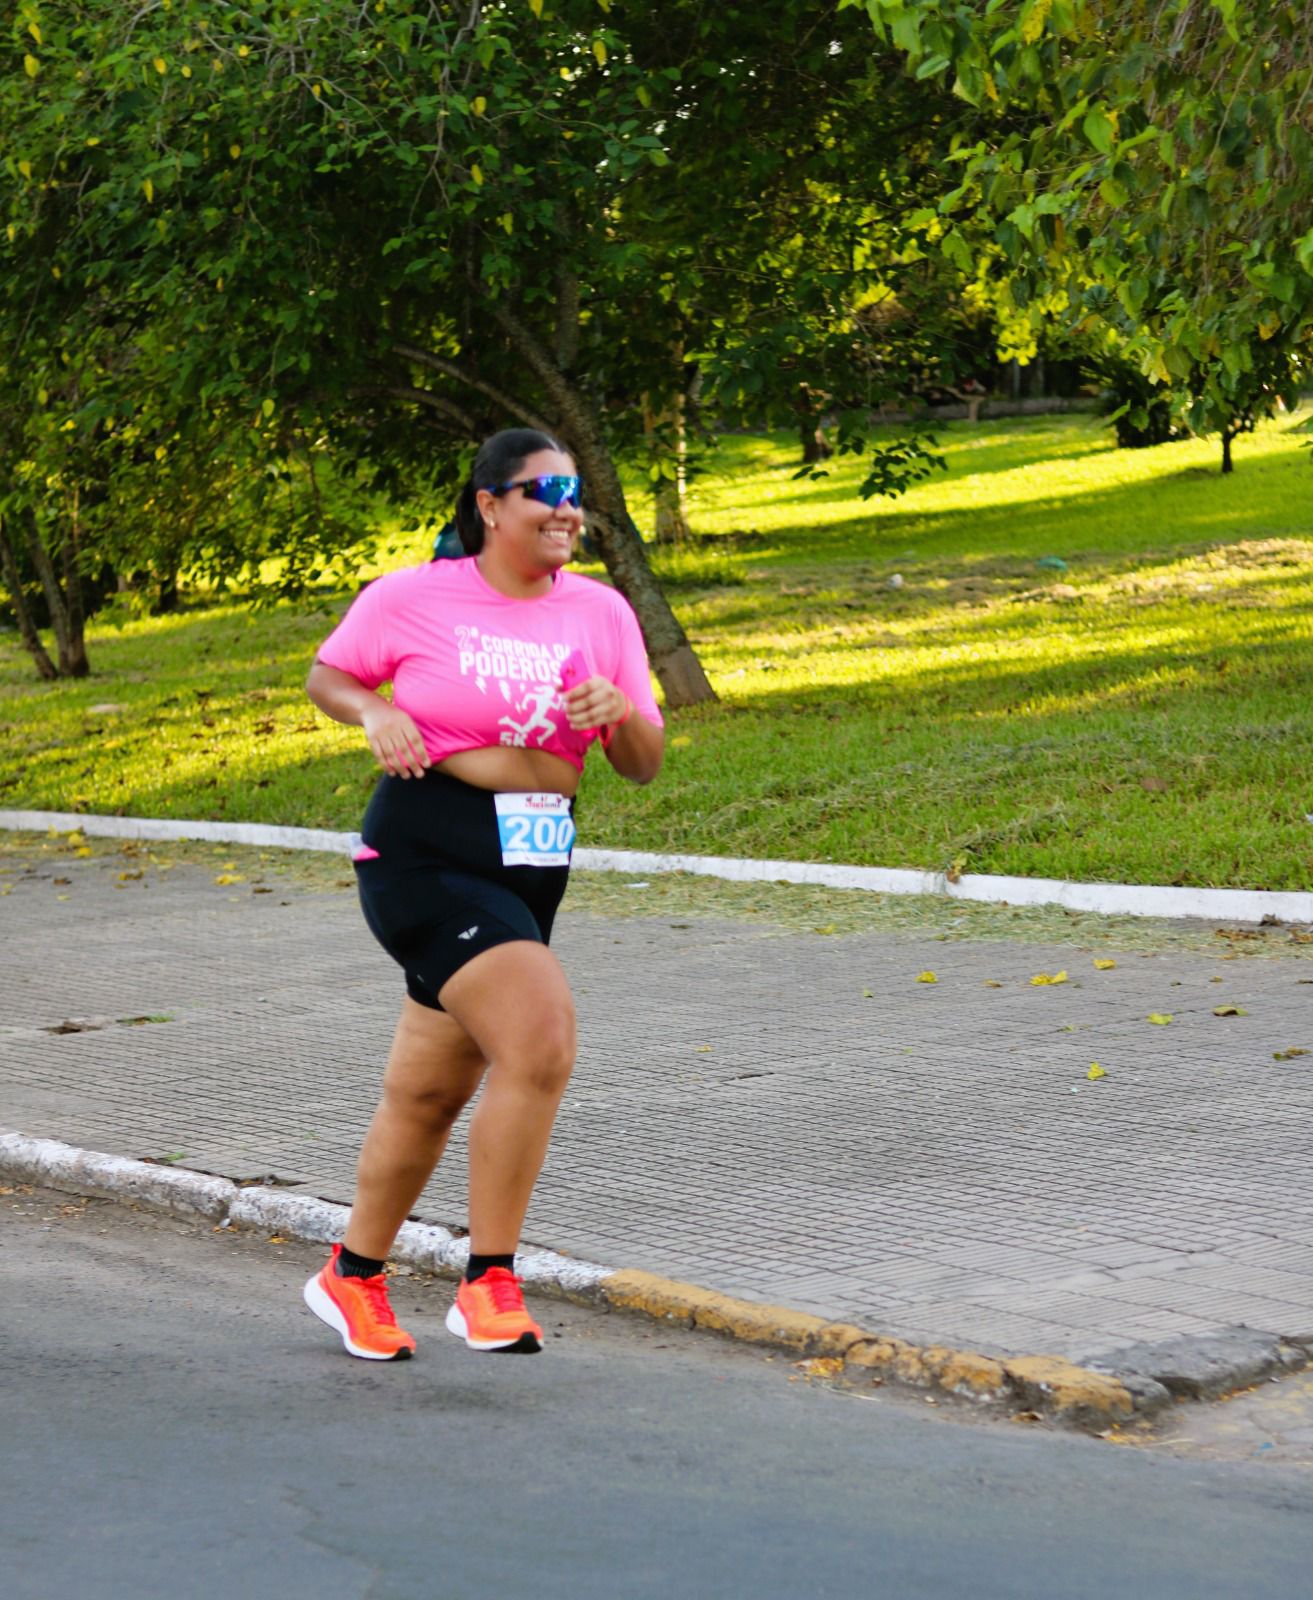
x,y
489,1314
358,1309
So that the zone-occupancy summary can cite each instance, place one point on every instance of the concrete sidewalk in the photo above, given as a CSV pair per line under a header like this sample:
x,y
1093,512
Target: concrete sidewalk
x,y
783,1118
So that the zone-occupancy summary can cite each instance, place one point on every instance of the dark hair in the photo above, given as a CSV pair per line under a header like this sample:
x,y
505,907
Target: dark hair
x,y
499,461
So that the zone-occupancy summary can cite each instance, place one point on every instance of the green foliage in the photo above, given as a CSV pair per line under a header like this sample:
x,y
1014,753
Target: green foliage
x,y
1152,165
894,464
384,230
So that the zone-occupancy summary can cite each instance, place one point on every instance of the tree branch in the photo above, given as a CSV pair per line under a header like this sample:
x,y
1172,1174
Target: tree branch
x,y
426,398
451,369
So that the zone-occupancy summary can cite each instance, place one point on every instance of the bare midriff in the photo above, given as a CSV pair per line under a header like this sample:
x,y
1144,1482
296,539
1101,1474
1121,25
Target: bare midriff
x,y
506,770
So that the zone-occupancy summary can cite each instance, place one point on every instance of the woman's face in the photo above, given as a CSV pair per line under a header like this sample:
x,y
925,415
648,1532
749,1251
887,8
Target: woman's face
x,y
535,537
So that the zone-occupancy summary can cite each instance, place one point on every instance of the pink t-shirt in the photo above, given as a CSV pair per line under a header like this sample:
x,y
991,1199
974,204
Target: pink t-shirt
x,y
474,667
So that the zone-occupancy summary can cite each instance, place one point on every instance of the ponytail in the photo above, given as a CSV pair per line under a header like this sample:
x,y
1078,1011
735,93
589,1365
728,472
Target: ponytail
x,y
469,520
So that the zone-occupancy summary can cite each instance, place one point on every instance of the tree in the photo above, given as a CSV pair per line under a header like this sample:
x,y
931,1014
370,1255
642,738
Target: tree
x,y
395,227
1152,165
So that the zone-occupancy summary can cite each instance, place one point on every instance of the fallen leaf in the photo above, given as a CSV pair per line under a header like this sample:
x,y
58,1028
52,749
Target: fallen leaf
x,y
1288,1055
276,1238
867,995
1104,966
926,977
1042,978
821,1366
830,927
1229,1011
702,1049
230,877
1162,1018
992,983
1095,1072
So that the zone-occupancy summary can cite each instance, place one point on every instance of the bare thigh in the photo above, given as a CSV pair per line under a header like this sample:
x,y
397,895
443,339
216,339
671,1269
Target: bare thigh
x,y
434,1065
514,1005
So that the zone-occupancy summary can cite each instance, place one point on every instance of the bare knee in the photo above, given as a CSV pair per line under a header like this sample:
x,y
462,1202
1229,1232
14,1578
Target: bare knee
x,y
435,1109
542,1059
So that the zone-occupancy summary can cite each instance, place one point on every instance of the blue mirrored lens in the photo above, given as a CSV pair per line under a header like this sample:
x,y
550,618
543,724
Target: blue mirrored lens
x,y
553,491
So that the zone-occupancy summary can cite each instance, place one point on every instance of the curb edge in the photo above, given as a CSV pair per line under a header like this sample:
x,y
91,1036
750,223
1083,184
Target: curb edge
x,y
1058,1389
1105,899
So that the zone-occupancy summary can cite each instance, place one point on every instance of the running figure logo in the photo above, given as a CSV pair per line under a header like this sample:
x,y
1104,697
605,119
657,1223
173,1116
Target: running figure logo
x,y
538,702
524,672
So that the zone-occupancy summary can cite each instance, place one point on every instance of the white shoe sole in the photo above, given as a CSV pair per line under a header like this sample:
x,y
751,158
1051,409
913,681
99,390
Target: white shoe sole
x,y
524,1343
327,1310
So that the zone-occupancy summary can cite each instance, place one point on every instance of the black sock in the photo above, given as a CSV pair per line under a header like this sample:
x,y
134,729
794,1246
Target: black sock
x,y
480,1264
350,1265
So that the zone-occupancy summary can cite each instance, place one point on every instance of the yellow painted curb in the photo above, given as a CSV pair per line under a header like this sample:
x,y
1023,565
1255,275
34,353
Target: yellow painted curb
x,y
671,1301
1045,1384
1088,1399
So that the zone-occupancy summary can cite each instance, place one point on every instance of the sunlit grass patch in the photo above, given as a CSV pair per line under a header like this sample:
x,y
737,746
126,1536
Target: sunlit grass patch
x,y
1092,664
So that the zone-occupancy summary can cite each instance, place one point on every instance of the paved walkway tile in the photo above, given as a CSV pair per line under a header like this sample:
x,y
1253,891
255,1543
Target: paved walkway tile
x,y
787,1118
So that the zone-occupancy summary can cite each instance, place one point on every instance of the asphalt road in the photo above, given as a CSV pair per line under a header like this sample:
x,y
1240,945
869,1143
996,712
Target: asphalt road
x,y
175,1423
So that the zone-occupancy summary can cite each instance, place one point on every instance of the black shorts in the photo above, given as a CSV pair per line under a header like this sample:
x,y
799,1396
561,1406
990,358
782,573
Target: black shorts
x,y
437,893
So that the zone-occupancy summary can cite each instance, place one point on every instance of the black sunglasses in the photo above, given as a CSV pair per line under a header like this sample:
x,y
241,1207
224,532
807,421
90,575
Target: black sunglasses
x,y
554,490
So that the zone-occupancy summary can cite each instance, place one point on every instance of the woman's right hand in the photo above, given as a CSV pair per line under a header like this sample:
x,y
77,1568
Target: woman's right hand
x,y
397,743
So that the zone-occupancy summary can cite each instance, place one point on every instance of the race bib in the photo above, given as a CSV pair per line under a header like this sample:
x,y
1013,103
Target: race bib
x,y
536,830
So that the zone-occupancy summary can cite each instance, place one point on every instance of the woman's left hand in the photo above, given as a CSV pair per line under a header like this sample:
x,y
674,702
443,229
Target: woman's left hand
x,y
594,703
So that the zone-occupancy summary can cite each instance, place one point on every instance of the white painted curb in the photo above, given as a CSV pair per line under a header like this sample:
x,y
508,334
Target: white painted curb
x,y
296,1216
64,1166
1108,899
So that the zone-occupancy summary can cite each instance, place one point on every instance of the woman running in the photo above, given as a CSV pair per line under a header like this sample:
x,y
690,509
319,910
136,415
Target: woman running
x,y
504,669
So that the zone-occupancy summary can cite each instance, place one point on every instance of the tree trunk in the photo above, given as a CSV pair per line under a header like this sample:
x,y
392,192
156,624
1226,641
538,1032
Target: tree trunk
x,y
77,614
1227,464
815,446
612,527
670,454
27,630
65,619
673,658
810,409
671,518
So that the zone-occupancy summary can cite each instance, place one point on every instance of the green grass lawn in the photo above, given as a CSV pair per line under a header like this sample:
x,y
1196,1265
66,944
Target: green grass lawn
x,y
1140,715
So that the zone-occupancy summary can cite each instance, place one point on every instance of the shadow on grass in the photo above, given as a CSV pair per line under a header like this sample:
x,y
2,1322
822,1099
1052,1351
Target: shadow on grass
x,y
1150,516
842,485
986,592
982,692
